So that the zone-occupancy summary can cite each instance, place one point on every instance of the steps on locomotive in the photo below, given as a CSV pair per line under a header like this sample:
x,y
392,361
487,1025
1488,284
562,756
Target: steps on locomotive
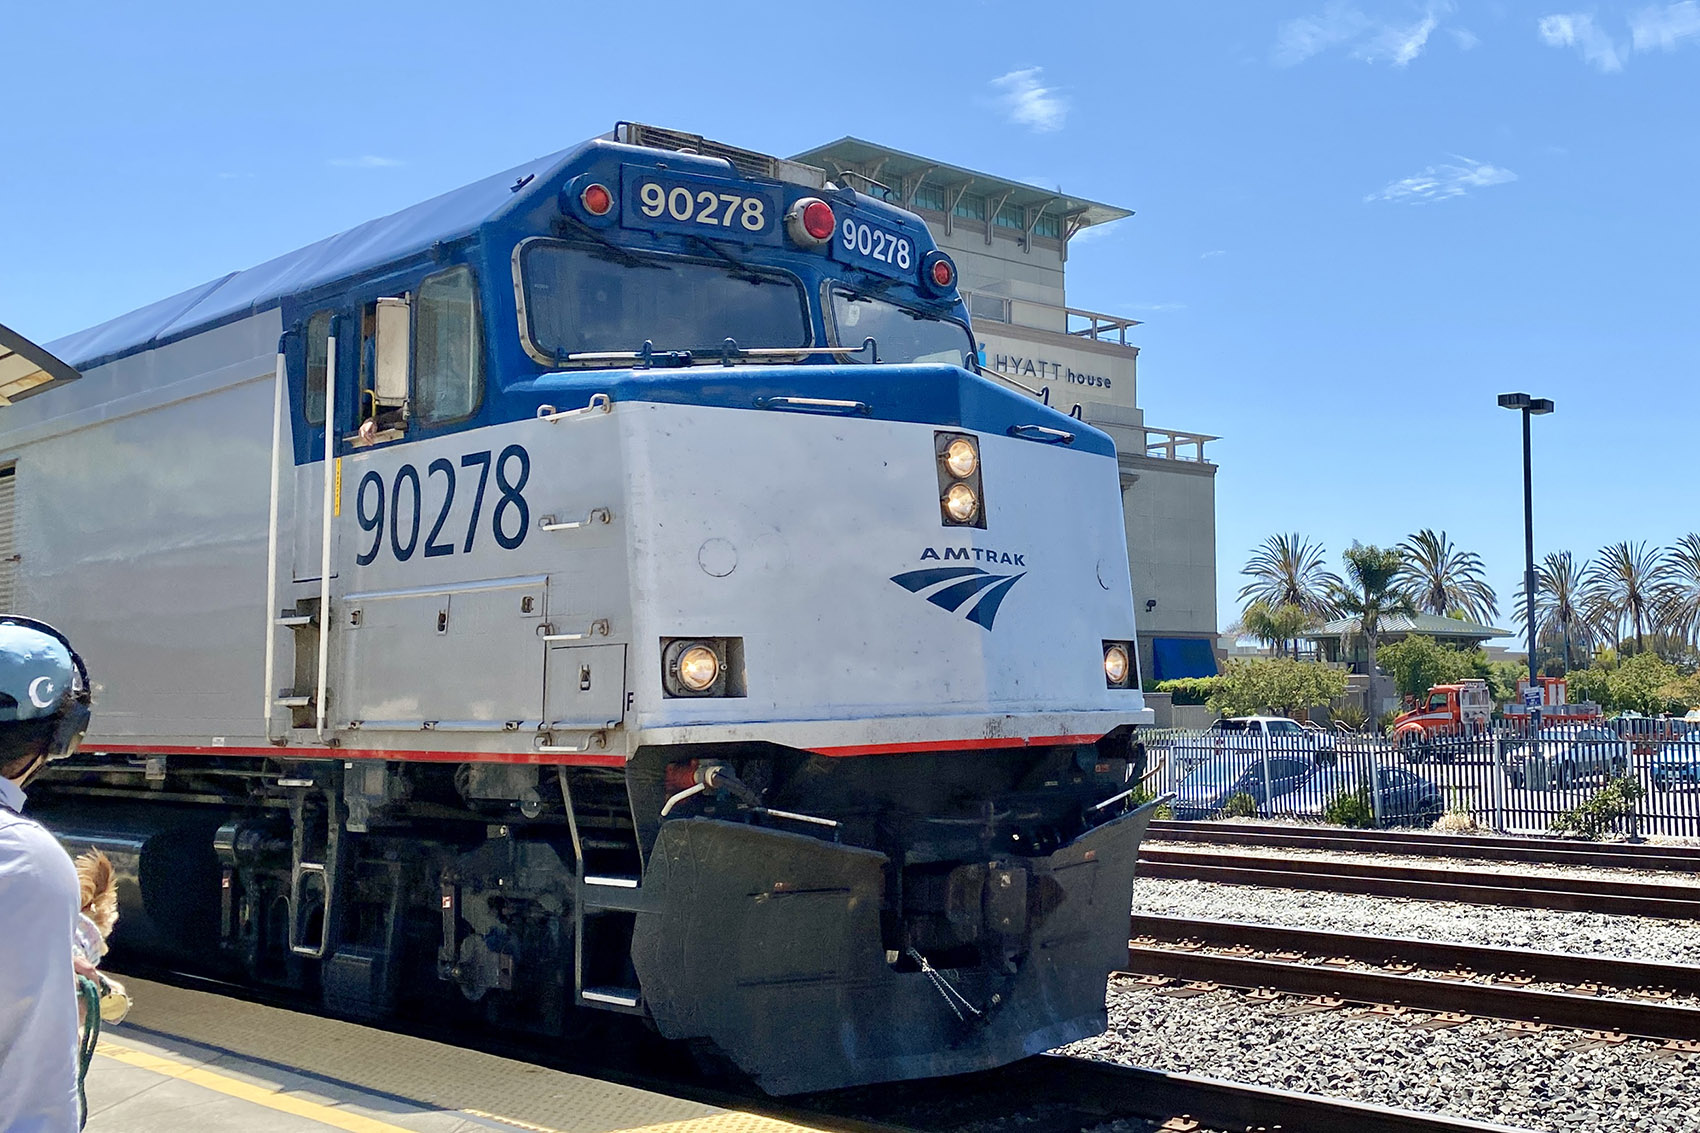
x,y
609,891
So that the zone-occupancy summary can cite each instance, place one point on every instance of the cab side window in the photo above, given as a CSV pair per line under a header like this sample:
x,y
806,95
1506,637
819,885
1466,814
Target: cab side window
x,y
318,337
448,348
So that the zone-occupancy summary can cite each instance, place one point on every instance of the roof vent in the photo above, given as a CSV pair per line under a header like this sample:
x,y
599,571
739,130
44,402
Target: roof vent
x,y
748,163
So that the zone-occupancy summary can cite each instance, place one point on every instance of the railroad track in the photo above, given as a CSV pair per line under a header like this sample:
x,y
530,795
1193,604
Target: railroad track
x,y
1548,851
1269,959
1043,1094
1054,1094
1476,887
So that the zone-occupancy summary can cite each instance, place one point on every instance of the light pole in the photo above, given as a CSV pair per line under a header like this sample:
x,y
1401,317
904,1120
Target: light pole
x,y
1531,407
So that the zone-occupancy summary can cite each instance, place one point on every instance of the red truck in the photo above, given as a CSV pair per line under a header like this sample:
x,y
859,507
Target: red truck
x,y
1455,712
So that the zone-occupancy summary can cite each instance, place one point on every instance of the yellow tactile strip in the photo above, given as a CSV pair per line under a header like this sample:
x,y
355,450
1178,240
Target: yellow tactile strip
x,y
430,1074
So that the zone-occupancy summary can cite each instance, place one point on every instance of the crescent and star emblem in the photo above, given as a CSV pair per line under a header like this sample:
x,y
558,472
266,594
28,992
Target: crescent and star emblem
x,y
39,698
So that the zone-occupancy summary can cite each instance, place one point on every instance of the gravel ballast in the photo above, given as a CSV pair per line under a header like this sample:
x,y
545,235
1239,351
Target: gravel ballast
x,y
1548,930
1465,1071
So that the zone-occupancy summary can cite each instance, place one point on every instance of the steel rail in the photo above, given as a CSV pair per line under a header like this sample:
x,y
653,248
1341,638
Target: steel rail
x,y
1549,851
1517,890
1647,1019
1436,955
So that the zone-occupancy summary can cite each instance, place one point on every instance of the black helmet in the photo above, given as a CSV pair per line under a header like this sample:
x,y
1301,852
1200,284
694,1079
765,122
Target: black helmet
x,y
44,690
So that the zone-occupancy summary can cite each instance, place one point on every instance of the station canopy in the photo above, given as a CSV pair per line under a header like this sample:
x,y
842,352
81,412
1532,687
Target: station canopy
x,y
27,369
904,173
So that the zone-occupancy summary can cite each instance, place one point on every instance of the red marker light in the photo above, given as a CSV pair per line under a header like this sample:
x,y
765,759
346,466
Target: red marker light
x,y
818,220
943,276
596,199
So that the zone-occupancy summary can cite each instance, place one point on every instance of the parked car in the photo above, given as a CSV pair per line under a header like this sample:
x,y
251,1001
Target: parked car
x,y
1402,798
1207,788
1252,735
1676,764
1570,753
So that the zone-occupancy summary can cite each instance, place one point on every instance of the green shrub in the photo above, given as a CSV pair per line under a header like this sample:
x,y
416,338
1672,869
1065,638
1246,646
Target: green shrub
x,y
1602,812
1350,716
1240,805
1189,690
1351,808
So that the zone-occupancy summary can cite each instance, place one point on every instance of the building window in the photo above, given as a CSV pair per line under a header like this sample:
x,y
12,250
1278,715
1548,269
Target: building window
x,y
448,348
1048,226
970,208
1011,217
929,197
318,343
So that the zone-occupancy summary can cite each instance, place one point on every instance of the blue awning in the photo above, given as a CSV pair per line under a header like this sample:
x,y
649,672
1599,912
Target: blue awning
x,y
1175,657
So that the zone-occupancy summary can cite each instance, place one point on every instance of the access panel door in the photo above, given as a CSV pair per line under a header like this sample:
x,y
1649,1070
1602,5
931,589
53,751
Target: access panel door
x,y
586,686
465,657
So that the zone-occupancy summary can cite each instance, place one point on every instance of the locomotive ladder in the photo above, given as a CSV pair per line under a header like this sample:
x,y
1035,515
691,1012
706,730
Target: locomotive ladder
x,y
608,893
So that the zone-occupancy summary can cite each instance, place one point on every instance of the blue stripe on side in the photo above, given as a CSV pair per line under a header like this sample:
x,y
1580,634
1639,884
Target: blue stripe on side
x,y
947,396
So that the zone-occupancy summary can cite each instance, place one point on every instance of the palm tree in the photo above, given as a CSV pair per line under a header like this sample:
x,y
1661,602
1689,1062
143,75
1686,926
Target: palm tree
x,y
1441,579
1558,604
1288,570
1279,626
1681,615
1369,594
1627,583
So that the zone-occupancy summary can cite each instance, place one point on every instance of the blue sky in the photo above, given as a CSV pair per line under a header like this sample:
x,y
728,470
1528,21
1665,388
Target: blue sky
x,y
1356,222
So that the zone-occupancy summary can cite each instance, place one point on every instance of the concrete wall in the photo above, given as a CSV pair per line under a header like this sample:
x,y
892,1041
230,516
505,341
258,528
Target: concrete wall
x,y
1170,514
1002,267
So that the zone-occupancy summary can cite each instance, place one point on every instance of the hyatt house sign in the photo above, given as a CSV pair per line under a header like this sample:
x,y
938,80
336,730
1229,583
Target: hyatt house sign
x,y
1064,377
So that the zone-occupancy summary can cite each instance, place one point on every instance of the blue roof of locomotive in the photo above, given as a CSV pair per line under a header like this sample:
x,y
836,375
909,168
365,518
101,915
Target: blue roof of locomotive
x,y
410,232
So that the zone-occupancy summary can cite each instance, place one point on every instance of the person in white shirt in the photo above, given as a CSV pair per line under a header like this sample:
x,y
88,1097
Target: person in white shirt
x,y
44,711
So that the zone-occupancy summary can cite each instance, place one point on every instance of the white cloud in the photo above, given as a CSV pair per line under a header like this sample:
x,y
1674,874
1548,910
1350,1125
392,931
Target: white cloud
x,y
365,161
1298,40
1441,182
1665,28
1370,40
1578,30
1398,45
1466,39
1026,102
1213,253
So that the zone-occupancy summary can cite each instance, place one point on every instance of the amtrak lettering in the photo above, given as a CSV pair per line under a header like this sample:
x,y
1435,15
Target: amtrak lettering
x,y
1018,367
973,554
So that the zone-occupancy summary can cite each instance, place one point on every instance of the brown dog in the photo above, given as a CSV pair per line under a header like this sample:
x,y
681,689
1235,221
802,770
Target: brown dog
x,y
99,885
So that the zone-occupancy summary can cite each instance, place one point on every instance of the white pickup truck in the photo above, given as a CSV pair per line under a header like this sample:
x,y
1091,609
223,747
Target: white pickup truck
x,y
1251,735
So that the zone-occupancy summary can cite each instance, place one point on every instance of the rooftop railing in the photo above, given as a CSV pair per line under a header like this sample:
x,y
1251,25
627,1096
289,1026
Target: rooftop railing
x,y
1166,444
1093,325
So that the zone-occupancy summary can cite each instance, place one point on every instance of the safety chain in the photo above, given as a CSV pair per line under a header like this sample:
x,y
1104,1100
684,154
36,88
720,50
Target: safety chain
x,y
956,1000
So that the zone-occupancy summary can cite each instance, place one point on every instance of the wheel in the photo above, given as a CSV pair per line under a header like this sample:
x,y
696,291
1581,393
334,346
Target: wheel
x,y
1428,816
1566,776
1517,779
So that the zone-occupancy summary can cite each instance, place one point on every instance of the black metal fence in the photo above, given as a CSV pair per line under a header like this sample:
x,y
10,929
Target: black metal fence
x,y
1632,778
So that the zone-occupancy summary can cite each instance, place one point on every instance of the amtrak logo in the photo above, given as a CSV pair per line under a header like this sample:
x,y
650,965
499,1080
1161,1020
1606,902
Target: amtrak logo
x,y
969,589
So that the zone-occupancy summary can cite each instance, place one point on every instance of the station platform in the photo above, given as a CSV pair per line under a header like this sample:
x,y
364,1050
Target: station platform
x,y
193,1062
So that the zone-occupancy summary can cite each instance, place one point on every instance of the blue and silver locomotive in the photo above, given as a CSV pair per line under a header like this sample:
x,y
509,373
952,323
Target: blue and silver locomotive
x,y
608,586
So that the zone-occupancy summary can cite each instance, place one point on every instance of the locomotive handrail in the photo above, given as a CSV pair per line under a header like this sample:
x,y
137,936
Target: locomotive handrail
x,y
648,357
597,628
815,405
729,349
599,403
1041,433
595,516
325,529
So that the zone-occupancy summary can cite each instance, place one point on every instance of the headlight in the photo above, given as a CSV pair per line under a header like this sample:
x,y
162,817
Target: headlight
x,y
1119,669
961,458
961,504
1115,664
698,668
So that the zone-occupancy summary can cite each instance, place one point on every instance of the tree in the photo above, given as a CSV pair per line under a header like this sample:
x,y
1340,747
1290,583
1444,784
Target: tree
x,y
1440,579
1681,614
1279,626
1288,570
1368,594
1558,604
1626,584
1418,663
1251,685
1638,684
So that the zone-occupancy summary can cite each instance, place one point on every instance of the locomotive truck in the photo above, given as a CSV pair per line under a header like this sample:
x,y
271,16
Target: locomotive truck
x,y
606,587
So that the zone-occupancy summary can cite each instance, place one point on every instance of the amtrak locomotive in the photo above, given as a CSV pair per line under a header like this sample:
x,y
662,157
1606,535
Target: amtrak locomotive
x,y
608,586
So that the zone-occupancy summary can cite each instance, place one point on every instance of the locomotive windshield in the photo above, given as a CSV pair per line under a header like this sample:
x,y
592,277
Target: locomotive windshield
x,y
902,334
582,300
